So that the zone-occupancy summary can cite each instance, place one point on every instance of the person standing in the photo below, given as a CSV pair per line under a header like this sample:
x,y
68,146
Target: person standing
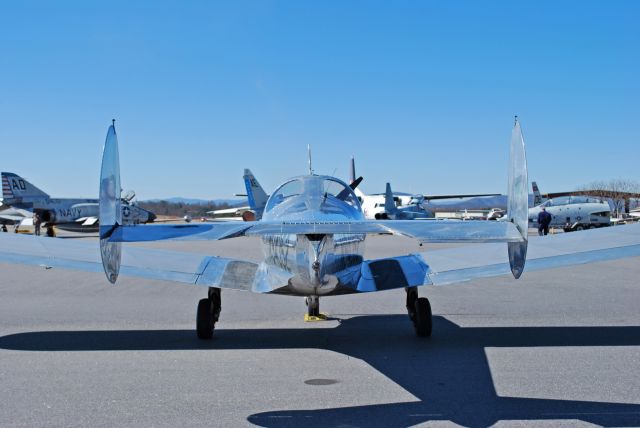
x,y
37,221
544,220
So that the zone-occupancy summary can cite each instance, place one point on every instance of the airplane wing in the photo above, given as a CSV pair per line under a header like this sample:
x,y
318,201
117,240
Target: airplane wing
x,y
454,265
11,218
186,268
438,267
437,197
235,211
544,252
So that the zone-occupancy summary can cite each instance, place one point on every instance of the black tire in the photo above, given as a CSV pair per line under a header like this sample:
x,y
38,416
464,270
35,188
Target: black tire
x,y
412,298
423,319
579,227
204,319
313,311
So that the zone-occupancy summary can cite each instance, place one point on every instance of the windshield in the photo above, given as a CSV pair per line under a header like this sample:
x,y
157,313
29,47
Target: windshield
x,y
322,189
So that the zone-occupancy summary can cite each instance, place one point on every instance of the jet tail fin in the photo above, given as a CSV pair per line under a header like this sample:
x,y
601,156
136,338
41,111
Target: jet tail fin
x,y
255,193
389,203
110,209
17,188
518,202
537,197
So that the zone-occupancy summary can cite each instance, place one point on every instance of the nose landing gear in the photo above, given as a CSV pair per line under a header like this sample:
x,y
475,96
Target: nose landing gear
x,y
419,310
208,313
313,309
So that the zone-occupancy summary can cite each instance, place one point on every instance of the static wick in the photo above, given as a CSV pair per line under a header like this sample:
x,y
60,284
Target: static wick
x,y
515,120
113,122
309,152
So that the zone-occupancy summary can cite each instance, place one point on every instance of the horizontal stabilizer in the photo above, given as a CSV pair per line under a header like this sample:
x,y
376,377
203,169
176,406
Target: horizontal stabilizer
x,y
423,231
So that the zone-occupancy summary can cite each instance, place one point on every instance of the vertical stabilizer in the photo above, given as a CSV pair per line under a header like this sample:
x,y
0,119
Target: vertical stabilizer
x,y
537,197
110,210
255,193
518,202
389,204
17,188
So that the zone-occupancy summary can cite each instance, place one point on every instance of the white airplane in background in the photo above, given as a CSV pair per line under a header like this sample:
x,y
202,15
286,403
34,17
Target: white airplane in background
x,y
313,231
256,197
21,199
374,205
570,211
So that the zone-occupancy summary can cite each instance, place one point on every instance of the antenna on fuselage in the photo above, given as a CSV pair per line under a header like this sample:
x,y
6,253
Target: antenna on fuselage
x,y
309,152
352,177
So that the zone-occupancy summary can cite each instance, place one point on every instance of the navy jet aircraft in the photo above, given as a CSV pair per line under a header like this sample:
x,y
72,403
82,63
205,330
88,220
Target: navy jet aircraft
x,y
411,211
256,198
21,199
313,230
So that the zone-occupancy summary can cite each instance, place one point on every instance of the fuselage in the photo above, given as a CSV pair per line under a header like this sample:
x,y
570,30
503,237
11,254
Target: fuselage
x,y
312,264
570,211
77,214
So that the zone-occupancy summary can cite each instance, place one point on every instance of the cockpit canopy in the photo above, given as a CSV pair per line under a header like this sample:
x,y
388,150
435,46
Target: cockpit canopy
x,y
313,193
568,200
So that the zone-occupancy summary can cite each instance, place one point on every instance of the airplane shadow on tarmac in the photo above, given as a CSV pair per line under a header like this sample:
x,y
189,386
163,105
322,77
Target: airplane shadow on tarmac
x,y
448,373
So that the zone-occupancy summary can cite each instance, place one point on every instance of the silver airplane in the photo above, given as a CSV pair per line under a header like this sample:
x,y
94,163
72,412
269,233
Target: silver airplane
x,y
312,232
21,199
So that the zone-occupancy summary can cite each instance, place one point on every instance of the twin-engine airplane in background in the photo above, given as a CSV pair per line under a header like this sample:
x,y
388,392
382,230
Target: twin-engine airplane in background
x,y
21,199
313,230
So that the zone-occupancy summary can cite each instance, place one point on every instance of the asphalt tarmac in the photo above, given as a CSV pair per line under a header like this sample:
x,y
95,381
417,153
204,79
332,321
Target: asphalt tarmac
x,y
555,348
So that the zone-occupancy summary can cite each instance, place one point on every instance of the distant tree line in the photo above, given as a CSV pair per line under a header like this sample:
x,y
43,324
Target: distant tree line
x,y
621,191
180,209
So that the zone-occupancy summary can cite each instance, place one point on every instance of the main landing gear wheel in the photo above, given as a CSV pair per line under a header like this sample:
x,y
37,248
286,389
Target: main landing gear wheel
x,y
419,310
204,319
208,314
423,321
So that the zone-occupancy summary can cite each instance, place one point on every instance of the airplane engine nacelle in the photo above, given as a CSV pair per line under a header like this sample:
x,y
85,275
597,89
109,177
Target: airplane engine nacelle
x,y
48,216
382,216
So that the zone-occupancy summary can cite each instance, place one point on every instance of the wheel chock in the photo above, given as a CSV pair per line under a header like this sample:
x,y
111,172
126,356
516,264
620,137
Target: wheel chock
x,y
310,318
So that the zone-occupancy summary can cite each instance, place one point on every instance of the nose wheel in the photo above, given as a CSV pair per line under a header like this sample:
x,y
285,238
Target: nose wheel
x,y
208,314
419,310
313,309
313,305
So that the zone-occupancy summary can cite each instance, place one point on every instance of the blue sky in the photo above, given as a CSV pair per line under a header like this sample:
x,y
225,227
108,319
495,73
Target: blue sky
x,y
423,93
